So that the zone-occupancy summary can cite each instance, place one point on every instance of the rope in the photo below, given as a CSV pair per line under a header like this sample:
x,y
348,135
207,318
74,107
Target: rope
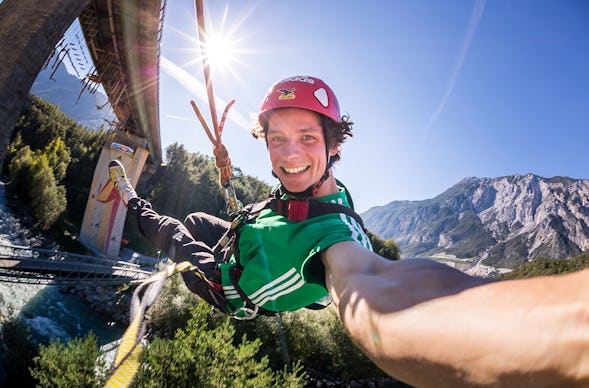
x,y
127,362
127,359
222,160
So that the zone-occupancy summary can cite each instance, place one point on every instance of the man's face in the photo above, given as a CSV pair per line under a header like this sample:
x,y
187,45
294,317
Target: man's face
x,y
297,148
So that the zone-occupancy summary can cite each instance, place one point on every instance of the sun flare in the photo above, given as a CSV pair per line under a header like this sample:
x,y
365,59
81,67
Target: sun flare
x,y
219,51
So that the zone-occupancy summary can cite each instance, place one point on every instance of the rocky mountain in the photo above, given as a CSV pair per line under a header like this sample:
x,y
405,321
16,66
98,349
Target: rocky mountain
x,y
63,90
499,222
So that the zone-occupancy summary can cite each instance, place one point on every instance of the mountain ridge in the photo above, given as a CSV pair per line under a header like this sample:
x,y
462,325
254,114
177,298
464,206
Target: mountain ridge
x,y
500,222
63,90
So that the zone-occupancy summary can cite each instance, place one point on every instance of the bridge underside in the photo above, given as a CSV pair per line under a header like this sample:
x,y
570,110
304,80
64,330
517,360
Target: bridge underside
x,y
123,38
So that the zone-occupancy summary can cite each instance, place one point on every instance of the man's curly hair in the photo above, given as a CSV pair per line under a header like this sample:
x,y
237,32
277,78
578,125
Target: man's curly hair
x,y
335,133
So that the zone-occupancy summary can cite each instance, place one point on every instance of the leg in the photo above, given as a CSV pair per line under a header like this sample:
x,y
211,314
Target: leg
x,y
206,228
170,235
173,237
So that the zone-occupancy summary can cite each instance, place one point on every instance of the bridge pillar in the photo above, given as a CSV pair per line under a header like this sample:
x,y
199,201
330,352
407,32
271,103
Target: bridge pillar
x,y
104,218
29,30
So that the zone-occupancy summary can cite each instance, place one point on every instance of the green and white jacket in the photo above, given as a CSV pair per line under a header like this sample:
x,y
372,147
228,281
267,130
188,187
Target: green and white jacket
x,y
279,262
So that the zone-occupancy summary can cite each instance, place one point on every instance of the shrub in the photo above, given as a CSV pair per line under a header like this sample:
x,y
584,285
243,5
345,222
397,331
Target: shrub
x,y
204,356
76,364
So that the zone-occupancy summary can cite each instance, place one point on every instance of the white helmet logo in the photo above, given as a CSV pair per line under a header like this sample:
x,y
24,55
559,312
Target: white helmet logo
x,y
321,96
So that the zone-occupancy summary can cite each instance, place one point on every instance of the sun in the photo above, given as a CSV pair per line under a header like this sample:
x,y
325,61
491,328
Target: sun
x,y
219,51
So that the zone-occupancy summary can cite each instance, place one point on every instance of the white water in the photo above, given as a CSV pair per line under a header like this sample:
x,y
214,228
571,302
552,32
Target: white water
x,y
48,313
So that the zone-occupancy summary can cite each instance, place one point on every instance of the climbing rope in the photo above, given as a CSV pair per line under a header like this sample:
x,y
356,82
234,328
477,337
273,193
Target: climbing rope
x,y
126,362
222,160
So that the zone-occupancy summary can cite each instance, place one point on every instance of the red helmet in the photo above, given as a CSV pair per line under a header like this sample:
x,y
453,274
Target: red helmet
x,y
302,92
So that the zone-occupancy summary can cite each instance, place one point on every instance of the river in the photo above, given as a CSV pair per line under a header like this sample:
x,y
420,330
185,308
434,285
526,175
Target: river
x,y
49,314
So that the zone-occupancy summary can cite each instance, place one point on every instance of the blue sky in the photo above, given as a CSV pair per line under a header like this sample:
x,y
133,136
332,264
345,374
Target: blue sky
x,y
438,91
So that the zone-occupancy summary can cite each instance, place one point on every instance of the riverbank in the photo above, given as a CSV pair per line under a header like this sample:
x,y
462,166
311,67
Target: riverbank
x,y
50,313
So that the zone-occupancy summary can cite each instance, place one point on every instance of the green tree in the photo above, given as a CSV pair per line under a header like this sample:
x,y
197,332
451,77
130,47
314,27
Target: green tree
x,y
85,148
543,266
48,199
316,339
76,364
20,172
204,356
58,157
17,350
386,248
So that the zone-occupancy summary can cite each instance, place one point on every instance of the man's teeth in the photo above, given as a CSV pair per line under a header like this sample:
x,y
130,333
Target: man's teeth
x,y
294,170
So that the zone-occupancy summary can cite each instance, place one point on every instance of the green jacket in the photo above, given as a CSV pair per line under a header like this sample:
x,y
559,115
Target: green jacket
x,y
281,270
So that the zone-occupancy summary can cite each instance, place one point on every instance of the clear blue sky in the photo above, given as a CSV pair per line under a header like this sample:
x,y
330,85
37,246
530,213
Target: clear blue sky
x,y
438,91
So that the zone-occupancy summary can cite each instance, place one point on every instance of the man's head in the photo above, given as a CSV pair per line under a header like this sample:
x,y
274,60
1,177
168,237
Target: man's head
x,y
291,107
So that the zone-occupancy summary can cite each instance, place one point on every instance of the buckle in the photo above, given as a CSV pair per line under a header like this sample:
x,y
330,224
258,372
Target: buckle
x,y
248,313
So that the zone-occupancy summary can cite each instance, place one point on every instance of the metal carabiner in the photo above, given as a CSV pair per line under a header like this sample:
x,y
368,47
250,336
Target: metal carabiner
x,y
249,313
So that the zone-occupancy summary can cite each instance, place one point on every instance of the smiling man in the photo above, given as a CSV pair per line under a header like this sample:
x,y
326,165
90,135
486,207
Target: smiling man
x,y
423,322
273,263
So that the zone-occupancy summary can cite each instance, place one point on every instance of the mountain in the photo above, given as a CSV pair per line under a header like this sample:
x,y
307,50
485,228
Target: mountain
x,y
498,222
63,90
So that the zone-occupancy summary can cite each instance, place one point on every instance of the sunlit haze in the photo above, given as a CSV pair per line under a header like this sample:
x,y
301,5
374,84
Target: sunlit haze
x,y
438,91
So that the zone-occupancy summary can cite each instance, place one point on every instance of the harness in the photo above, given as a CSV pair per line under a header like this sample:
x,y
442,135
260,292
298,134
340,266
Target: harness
x,y
294,209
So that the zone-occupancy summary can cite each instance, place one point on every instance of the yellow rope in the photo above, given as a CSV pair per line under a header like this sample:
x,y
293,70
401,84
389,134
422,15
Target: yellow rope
x,y
128,354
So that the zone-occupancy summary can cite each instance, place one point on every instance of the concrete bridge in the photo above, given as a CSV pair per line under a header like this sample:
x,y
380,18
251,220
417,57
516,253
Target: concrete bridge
x,y
123,38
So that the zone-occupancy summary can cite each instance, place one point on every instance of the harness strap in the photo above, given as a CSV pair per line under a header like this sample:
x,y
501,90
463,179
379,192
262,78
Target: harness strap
x,y
300,210
295,210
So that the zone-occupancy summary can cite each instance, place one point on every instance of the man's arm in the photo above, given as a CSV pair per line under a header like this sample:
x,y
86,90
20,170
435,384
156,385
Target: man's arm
x,y
431,325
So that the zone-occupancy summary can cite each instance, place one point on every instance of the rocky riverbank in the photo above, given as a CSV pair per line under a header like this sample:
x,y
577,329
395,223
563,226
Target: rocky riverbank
x,y
109,301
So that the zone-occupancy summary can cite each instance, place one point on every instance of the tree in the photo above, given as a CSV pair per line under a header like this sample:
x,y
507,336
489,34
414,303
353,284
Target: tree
x,y
20,172
17,350
48,199
76,364
204,356
386,248
58,157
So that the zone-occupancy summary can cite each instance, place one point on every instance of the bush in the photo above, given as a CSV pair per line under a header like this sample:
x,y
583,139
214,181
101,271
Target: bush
x,y
313,338
172,308
544,266
203,356
17,350
76,364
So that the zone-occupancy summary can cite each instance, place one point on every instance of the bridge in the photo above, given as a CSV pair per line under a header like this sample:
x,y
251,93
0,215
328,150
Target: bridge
x,y
20,264
123,39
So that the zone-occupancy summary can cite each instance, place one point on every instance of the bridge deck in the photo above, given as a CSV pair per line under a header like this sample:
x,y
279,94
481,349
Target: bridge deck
x,y
42,266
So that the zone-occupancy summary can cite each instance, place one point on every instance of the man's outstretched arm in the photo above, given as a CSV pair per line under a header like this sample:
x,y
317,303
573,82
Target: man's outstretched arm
x,y
431,325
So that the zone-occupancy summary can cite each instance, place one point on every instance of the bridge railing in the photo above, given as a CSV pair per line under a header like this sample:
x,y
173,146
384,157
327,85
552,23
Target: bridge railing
x,y
21,264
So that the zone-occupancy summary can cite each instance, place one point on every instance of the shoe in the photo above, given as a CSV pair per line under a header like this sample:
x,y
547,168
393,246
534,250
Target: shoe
x,y
121,182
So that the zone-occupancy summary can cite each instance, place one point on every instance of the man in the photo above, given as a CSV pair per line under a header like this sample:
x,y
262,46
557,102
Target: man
x,y
274,264
420,321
